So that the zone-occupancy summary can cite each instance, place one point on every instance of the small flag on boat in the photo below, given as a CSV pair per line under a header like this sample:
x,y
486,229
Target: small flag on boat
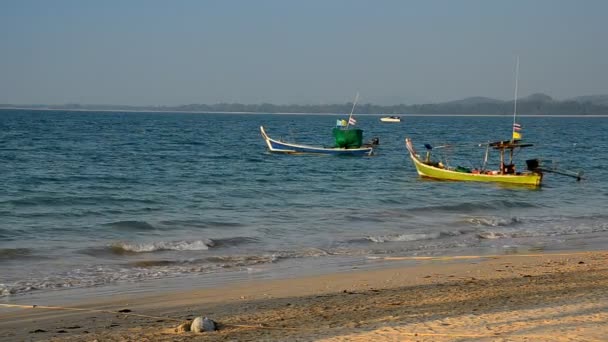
x,y
516,135
516,131
352,121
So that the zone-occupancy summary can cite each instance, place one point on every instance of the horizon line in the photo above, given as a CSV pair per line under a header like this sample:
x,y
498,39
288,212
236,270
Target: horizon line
x,y
299,113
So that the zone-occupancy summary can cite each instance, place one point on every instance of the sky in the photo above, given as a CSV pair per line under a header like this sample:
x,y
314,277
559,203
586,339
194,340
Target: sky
x,y
153,52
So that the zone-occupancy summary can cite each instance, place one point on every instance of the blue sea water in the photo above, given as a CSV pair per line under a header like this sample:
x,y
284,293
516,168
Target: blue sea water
x,y
94,199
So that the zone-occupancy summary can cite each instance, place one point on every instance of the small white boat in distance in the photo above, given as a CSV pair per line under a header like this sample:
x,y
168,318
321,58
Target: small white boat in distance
x,y
391,119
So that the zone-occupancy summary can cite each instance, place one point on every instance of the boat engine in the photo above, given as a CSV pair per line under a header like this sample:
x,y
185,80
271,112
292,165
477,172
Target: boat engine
x,y
532,164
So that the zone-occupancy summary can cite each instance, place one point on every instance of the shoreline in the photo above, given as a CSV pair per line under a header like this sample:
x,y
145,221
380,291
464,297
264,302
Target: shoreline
x,y
552,296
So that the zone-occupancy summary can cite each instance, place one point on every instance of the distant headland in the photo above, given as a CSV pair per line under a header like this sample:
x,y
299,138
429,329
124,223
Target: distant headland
x,y
535,104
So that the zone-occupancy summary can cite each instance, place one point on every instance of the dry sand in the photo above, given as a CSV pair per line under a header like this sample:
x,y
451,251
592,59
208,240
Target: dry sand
x,y
548,297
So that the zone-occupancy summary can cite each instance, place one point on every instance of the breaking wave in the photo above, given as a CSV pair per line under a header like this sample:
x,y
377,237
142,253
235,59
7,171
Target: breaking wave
x,y
491,235
139,270
183,245
492,221
414,236
127,247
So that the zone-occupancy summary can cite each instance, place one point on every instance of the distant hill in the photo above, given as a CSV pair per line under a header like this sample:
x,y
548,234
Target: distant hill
x,y
469,101
601,100
538,104
538,97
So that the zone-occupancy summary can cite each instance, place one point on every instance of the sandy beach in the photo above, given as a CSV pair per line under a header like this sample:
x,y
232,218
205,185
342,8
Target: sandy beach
x,y
535,297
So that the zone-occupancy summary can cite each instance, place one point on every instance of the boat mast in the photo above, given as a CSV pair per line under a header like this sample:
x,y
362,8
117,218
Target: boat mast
x,y
485,157
515,98
502,152
353,109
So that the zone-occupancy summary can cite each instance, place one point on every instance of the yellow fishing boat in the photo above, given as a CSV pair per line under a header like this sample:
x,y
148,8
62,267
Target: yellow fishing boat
x,y
506,172
426,167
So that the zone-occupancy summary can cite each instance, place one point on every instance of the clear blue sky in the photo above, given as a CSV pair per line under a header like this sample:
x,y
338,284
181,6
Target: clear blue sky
x,y
308,52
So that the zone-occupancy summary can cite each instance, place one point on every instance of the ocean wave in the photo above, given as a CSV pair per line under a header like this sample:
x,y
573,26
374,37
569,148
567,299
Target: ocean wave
x,y
228,261
153,263
126,248
233,241
567,228
415,236
302,253
139,270
385,200
97,276
131,225
14,253
74,200
492,221
201,224
491,235
235,260
592,217
184,223
476,206
191,142
403,237
363,218
182,245
556,229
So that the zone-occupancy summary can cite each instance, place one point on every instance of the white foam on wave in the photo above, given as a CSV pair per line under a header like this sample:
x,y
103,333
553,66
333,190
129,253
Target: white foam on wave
x,y
492,221
183,245
404,237
491,235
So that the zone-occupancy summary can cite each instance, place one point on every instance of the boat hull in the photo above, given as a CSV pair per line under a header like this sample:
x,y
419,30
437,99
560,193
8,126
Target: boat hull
x,y
429,171
277,146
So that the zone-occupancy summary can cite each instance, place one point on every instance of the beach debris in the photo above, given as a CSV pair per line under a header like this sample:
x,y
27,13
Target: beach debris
x,y
184,327
37,331
197,325
209,324
200,324
124,310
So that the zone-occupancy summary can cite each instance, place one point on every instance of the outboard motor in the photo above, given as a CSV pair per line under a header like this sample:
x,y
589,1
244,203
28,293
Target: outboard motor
x,y
532,164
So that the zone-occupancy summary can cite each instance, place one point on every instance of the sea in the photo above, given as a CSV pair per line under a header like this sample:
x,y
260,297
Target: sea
x,y
130,202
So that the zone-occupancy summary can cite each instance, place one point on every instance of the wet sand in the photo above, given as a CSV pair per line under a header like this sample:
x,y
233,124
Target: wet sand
x,y
541,297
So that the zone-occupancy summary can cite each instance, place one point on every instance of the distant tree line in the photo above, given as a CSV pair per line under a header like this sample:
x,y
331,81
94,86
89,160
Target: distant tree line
x,y
491,107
